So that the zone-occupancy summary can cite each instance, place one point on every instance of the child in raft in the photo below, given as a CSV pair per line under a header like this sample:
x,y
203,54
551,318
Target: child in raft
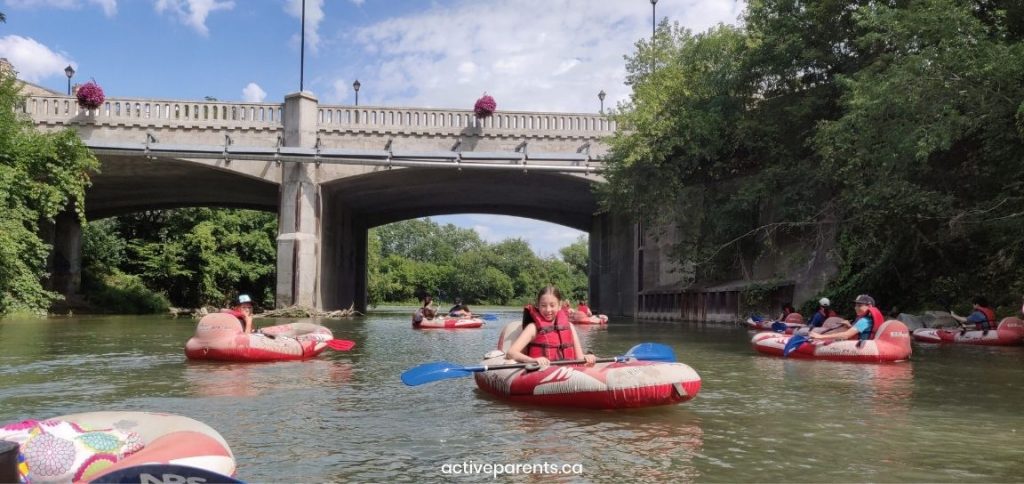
x,y
584,314
547,335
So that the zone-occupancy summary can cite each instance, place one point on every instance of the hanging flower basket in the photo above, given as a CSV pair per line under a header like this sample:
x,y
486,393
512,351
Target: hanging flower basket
x,y
90,95
485,106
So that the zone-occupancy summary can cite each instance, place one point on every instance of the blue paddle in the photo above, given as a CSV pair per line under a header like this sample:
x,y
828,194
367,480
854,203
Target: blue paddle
x,y
431,372
793,343
779,327
489,317
150,473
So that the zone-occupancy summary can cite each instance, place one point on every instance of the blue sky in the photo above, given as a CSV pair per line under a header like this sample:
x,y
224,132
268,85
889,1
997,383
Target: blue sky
x,y
544,55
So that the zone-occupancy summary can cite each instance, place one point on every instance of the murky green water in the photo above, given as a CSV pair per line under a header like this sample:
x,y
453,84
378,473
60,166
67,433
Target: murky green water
x,y
953,414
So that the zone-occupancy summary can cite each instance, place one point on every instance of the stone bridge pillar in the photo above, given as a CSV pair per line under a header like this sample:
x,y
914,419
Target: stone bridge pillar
x,y
298,239
65,261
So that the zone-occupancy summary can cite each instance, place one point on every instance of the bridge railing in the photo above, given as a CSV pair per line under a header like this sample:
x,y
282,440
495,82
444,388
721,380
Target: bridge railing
x,y
58,109
346,117
63,109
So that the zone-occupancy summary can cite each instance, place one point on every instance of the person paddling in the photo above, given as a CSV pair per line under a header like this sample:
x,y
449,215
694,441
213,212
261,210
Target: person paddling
x,y
583,312
824,312
983,317
869,319
426,311
243,311
547,335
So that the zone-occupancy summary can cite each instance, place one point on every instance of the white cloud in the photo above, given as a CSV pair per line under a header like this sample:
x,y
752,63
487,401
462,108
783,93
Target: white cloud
x,y
193,12
109,6
314,15
545,55
32,60
253,93
358,3
544,238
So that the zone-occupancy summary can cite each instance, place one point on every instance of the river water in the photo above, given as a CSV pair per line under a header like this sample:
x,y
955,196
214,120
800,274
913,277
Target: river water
x,y
952,414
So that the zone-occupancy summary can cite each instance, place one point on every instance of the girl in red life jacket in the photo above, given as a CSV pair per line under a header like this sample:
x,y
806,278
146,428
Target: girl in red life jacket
x,y
547,335
983,316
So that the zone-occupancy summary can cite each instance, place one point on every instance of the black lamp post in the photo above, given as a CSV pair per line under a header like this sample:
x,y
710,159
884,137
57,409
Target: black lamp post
x,y
654,18
355,85
600,95
69,71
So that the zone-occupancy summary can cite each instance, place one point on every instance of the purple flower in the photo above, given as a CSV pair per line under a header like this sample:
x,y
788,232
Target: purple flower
x,y
90,95
484,106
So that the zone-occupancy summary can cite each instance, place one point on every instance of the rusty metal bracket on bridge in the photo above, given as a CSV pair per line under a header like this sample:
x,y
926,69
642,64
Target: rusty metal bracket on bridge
x,y
277,150
316,155
227,142
149,138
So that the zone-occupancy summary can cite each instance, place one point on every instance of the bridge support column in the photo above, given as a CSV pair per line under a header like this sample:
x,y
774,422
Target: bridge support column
x,y
298,239
343,283
613,277
65,261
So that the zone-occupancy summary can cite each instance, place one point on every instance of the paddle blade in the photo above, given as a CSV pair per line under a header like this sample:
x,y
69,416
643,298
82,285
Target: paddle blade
x,y
430,372
341,344
779,327
489,317
793,343
756,318
651,352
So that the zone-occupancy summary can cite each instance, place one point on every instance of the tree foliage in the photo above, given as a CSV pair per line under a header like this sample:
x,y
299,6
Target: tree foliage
x,y
41,175
409,258
900,124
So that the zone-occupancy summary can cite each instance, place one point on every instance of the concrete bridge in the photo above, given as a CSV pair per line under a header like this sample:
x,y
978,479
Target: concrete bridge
x,y
333,172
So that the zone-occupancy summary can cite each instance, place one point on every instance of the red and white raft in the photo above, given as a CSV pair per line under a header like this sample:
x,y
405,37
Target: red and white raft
x,y
794,322
891,343
628,384
86,446
219,336
448,323
1010,332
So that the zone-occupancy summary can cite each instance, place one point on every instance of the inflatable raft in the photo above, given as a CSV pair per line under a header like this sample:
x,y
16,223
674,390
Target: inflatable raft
x,y
219,336
891,343
584,319
87,446
1010,332
626,384
448,323
794,322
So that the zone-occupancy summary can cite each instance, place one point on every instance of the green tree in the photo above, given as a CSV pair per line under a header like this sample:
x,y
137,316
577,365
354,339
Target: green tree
x,y
41,175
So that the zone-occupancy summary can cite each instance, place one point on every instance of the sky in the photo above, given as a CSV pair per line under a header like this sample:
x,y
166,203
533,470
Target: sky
x,y
538,55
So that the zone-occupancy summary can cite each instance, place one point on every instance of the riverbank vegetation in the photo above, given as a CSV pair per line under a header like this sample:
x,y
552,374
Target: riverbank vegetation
x,y
198,257
895,129
41,175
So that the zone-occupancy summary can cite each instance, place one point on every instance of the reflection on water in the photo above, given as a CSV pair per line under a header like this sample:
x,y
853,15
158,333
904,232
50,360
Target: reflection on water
x,y
346,416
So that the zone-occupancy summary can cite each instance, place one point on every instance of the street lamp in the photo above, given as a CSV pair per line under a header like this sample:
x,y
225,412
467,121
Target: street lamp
x,y
600,95
355,85
653,20
69,71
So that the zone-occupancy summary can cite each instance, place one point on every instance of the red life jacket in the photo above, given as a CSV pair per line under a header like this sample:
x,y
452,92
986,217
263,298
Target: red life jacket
x,y
554,338
876,320
583,308
990,315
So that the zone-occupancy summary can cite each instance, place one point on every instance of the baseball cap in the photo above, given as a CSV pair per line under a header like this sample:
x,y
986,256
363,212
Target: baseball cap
x,y
824,301
864,299
244,299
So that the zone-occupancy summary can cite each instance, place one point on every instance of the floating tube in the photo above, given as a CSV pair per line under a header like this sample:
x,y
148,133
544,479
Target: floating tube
x,y
891,343
219,336
86,446
448,323
627,384
1010,332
